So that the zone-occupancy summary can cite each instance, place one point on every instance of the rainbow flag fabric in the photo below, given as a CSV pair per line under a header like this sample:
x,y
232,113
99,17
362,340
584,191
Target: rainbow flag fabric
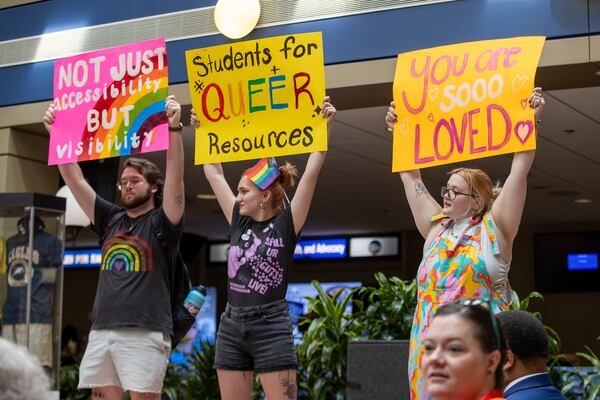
x,y
264,172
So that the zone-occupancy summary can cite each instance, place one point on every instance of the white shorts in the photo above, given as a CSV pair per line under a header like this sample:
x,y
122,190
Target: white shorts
x,y
40,340
133,358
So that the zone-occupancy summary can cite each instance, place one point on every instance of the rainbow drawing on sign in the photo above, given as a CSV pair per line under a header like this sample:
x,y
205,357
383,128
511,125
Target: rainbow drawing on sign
x,y
129,132
127,254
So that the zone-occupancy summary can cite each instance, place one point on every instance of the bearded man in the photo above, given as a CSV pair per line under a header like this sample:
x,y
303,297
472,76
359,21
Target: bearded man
x,y
130,340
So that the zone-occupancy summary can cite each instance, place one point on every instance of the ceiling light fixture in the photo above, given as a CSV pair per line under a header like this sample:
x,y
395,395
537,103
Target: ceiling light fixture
x,y
236,18
583,200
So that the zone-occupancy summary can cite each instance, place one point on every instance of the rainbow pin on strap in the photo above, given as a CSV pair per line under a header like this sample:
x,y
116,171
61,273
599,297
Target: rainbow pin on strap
x,y
264,172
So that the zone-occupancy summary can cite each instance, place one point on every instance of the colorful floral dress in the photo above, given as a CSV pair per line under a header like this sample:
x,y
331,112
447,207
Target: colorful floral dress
x,y
454,267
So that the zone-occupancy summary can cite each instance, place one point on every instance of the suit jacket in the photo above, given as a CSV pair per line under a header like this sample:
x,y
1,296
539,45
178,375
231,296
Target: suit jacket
x,y
534,388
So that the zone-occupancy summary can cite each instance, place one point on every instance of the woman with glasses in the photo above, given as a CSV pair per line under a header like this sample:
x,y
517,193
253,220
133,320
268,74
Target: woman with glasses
x,y
464,351
468,239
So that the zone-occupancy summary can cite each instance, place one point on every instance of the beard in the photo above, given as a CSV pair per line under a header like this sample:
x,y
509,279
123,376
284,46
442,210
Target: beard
x,y
136,201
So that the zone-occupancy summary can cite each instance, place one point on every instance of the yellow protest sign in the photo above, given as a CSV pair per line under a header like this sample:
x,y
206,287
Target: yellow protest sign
x,y
464,101
258,98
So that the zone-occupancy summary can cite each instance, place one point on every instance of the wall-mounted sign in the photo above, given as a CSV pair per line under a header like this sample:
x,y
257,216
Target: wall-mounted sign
x,y
82,258
321,248
328,247
217,252
582,262
375,246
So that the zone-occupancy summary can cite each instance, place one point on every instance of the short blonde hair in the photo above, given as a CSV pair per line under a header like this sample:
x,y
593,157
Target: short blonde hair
x,y
480,186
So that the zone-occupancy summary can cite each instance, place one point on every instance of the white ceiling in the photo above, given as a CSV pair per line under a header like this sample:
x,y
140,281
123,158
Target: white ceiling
x,y
357,192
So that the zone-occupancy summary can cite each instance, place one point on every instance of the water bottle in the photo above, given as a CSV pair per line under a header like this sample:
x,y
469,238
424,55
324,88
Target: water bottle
x,y
195,299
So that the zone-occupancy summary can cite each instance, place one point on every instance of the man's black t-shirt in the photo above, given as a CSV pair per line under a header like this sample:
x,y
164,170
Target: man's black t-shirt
x,y
260,258
133,287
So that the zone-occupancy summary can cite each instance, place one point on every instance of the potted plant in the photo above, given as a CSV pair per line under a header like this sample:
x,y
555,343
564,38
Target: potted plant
x,y
583,382
322,350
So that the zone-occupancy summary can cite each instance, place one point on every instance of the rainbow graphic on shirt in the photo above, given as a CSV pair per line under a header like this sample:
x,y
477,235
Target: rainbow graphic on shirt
x,y
127,254
264,172
110,103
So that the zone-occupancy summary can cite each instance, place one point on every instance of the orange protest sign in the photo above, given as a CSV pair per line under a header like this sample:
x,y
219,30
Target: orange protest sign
x,y
464,101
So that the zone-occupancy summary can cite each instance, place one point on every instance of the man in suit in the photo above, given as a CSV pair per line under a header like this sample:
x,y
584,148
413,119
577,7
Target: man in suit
x,y
525,371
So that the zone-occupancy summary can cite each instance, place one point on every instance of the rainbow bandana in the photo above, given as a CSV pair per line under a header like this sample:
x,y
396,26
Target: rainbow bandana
x,y
264,172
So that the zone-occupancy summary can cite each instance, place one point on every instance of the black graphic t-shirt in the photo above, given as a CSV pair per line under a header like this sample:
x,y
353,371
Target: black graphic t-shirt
x,y
46,257
133,286
260,258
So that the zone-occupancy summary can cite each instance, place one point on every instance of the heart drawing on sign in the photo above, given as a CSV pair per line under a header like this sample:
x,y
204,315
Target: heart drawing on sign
x,y
403,127
518,82
430,117
523,129
433,93
524,103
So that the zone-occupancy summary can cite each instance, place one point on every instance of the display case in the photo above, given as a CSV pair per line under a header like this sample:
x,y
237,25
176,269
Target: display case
x,y
31,274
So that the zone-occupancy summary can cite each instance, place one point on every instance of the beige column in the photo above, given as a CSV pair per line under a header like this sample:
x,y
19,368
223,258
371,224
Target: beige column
x,y
23,163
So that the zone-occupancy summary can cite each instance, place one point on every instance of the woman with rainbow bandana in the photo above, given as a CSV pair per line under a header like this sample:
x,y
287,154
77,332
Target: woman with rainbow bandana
x,y
468,240
255,332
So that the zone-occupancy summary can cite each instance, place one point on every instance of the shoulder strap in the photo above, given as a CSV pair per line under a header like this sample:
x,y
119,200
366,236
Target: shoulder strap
x,y
178,272
116,216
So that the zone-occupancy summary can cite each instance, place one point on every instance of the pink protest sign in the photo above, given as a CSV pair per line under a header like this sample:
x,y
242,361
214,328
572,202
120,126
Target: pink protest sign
x,y
110,103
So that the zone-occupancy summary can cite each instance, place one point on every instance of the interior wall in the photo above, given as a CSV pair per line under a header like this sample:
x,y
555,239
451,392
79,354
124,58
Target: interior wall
x,y
573,315
24,163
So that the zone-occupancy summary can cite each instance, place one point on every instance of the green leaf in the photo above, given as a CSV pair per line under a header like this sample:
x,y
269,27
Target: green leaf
x,y
591,358
380,278
595,392
315,326
324,297
567,388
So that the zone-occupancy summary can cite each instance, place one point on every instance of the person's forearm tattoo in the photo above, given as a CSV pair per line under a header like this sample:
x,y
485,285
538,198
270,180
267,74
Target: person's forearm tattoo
x,y
420,189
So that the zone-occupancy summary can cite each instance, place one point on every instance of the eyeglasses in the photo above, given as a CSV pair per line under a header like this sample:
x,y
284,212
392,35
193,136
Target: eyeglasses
x,y
487,306
452,193
133,182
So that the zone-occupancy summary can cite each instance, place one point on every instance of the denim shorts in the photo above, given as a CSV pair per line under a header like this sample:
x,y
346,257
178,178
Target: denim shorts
x,y
256,338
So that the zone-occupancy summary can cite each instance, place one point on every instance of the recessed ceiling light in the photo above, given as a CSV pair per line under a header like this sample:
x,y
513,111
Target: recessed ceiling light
x,y
583,200
206,196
